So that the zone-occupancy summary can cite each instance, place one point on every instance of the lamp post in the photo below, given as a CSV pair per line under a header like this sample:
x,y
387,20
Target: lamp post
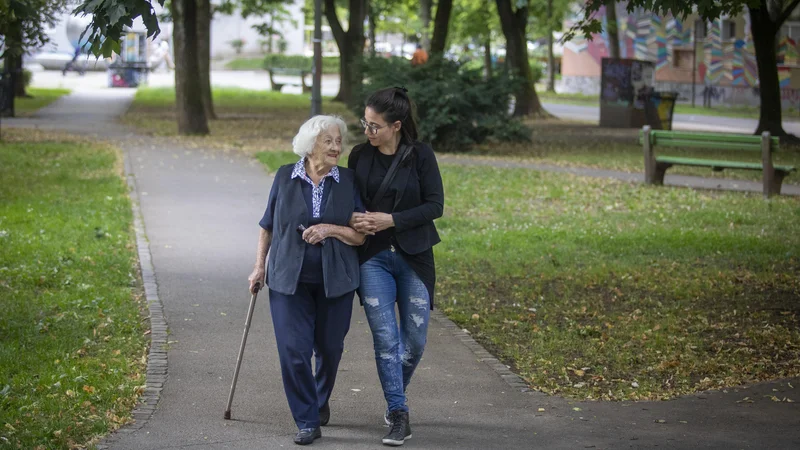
x,y
316,72
694,59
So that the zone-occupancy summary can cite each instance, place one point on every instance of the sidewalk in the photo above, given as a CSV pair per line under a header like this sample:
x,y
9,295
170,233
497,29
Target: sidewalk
x,y
200,211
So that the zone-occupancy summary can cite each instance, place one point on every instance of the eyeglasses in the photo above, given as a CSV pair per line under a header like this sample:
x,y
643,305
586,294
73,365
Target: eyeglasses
x,y
373,129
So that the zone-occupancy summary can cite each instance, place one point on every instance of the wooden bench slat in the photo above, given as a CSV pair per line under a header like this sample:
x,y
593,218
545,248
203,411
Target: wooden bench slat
x,y
715,163
707,145
712,140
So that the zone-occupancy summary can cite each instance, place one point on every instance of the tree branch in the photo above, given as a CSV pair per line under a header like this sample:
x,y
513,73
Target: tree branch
x,y
333,21
786,12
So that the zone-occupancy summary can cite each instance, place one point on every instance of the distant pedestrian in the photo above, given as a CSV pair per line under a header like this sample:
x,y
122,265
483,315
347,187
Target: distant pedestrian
x,y
420,56
81,69
312,272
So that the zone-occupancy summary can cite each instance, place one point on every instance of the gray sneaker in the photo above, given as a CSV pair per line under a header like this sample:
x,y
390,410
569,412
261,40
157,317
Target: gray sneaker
x,y
400,429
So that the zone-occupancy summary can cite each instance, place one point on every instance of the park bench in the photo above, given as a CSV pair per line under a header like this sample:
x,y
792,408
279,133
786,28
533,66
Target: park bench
x,y
285,72
656,166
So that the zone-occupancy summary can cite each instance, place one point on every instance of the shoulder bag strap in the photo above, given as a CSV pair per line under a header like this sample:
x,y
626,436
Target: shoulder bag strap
x,y
402,152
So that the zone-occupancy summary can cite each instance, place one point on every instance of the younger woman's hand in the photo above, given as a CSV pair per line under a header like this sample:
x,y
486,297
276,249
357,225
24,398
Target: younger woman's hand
x,y
361,223
377,221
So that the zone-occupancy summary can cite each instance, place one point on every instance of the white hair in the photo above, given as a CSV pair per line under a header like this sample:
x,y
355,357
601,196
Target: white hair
x,y
303,142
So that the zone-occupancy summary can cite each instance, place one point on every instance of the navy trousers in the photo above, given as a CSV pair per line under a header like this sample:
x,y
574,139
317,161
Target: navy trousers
x,y
309,322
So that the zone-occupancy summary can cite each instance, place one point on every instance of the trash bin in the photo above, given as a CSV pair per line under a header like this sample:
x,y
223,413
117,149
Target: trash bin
x,y
127,74
659,108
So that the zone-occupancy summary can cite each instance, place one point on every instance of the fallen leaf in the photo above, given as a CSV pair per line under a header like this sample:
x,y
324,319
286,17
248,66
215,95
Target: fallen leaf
x,y
541,409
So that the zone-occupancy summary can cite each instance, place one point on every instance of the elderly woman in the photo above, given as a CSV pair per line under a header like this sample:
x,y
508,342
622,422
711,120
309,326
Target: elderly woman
x,y
313,270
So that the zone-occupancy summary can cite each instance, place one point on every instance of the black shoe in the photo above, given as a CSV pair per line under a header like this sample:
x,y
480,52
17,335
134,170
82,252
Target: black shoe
x,y
307,436
324,414
400,429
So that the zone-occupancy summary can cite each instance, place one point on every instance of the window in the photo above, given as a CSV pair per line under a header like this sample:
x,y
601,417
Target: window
x,y
700,29
682,58
728,30
791,30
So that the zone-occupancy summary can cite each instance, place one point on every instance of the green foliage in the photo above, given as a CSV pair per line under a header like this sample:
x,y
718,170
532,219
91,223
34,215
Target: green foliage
x,y
456,107
27,77
707,9
537,71
109,19
237,45
24,23
330,64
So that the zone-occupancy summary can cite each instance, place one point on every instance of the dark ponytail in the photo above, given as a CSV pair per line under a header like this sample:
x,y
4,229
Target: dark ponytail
x,y
393,104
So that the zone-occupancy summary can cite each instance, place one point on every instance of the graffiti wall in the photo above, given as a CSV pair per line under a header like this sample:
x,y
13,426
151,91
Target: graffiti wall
x,y
726,63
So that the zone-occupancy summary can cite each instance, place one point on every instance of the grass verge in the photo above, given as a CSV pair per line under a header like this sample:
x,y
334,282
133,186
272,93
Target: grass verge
x,y
598,289
39,98
71,334
247,120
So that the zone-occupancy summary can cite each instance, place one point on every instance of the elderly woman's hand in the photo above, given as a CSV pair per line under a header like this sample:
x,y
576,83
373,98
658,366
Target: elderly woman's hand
x,y
256,279
316,233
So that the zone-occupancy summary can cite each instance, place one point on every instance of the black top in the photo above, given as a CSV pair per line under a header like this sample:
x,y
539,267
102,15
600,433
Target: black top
x,y
414,198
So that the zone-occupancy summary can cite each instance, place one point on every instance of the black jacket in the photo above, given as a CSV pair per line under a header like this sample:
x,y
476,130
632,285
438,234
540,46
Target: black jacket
x,y
418,193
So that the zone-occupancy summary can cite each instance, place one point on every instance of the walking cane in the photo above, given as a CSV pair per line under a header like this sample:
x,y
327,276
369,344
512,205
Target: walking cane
x,y
241,350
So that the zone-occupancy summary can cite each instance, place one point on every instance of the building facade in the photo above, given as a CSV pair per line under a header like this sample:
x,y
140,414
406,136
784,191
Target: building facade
x,y
718,57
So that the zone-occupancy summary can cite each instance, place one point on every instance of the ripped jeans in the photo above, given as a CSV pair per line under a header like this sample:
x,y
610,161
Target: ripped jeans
x,y
386,279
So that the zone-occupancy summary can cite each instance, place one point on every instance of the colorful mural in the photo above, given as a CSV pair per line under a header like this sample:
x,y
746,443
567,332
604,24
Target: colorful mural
x,y
645,36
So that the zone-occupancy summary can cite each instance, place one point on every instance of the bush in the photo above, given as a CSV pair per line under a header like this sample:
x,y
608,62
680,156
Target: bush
x,y
537,71
330,64
27,77
456,107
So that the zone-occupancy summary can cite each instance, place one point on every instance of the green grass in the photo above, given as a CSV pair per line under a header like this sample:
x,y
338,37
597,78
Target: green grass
x,y
247,120
591,287
274,160
245,64
599,289
39,99
747,112
71,332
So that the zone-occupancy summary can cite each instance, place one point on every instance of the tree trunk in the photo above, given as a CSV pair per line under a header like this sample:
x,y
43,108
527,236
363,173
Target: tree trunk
x,y
204,55
612,29
487,56
551,61
440,26
13,58
372,26
764,31
514,24
351,48
188,90
425,8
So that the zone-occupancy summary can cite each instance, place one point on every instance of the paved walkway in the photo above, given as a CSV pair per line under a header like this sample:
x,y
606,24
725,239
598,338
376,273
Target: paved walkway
x,y
200,211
